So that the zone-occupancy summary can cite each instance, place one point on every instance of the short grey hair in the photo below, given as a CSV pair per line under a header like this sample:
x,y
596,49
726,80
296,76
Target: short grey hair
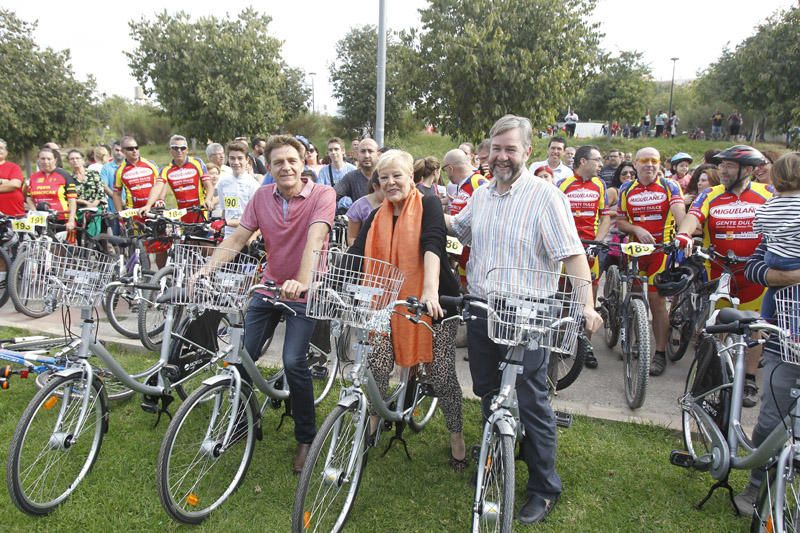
x,y
510,122
177,138
3,143
213,148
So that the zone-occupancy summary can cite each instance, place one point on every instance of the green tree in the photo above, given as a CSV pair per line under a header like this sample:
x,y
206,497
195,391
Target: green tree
x,y
482,59
354,77
119,117
295,93
619,90
214,78
41,99
760,74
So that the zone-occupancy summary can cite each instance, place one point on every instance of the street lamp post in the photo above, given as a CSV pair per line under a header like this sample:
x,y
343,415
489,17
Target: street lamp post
x,y
672,84
313,103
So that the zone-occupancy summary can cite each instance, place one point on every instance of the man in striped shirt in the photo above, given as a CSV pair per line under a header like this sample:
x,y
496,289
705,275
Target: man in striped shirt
x,y
521,222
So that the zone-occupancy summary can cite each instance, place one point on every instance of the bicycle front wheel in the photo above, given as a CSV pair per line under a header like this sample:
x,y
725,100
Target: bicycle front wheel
x,y
569,366
329,482
637,355
52,450
26,280
5,267
704,389
122,310
197,468
493,509
424,405
787,502
611,292
151,315
681,329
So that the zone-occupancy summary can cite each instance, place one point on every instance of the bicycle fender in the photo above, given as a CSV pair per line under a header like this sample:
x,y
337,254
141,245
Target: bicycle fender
x,y
505,428
348,400
69,372
213,380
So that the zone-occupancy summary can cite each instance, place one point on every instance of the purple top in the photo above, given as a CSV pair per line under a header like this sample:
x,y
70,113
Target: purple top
x,y
360,210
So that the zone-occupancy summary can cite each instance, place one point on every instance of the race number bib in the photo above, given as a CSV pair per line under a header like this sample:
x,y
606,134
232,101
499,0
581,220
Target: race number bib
x,y
21,225
128,213
37,218
454,246
231,202
637,249
174,214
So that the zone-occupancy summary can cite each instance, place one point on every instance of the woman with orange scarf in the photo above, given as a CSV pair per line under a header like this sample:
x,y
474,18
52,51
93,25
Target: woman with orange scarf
x,y
408,231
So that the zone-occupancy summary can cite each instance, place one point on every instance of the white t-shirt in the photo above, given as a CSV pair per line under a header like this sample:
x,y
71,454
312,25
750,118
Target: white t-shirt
x,y
559,173
234,194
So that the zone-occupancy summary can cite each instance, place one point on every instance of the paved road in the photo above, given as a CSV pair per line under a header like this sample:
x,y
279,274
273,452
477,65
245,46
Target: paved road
x,y
597,393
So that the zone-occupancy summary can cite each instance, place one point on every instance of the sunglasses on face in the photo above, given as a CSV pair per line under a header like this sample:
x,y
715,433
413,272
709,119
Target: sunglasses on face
x,y
130,148
179,148
627,173
651,160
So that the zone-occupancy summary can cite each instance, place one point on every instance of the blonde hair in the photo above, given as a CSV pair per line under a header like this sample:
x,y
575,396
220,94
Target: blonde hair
x,y
401,159
100,153
786,172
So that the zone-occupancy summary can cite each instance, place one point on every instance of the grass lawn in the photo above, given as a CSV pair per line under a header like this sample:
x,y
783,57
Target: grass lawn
x,y
616,478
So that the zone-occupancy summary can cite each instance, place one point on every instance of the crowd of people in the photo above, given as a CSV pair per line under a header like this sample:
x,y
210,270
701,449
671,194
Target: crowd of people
x,y
504,210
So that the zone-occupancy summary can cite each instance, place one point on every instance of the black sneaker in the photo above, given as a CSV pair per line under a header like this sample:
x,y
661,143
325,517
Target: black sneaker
x,y
589,360
658,364
750,393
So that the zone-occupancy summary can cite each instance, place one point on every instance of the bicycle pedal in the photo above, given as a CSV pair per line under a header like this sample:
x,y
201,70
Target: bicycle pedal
x,y
387,425
171,372
426,389
149,407
563,420
681,458
319,372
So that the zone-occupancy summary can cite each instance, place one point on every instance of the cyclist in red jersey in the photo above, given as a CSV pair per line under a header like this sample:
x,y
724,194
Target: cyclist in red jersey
x,y
188,179
648,209
53,186
12,201
589,205
135,175
725,212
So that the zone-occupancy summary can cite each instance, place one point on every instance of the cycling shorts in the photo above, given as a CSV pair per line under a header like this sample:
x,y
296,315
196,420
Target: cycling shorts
x,y
650,265
750,294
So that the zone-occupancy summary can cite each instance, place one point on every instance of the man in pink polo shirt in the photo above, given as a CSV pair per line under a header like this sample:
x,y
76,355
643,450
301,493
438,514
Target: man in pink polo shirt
x,y
294,218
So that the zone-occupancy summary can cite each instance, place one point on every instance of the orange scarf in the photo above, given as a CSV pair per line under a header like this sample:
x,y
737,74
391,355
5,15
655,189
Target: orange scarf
x,y
399,244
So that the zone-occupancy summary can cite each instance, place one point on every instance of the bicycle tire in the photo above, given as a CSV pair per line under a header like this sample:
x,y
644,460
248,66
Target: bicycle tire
x,y
201,422
493,509
118,300
569,366
707,372
18,286
324,367
5,267
30,438
324,474
424,405
151,316
764,519
637,355
611,293
681,329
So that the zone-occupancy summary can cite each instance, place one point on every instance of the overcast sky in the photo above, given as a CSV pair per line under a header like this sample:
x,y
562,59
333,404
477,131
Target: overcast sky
x,y
695,31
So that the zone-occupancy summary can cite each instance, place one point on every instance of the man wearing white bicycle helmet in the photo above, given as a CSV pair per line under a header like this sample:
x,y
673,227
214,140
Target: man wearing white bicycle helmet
x,y
523,222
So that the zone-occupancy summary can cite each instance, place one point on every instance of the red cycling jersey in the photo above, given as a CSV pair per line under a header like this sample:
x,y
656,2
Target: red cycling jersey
x,y
588,201
137,179
727,221
465,190
648,206
186,182
56,189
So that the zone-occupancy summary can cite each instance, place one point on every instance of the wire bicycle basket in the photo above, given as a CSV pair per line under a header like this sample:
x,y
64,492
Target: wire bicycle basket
x,y
221,286
787,305
535,308
358,291
64,274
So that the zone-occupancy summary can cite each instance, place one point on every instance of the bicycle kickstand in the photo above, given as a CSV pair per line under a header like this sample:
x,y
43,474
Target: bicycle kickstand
x,y
287,412
398,436
721,484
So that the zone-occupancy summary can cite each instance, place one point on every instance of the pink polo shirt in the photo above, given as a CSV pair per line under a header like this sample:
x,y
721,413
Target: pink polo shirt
x,y
284,224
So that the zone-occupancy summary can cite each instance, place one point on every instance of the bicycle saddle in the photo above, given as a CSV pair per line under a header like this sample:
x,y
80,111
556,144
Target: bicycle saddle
x,y
730,315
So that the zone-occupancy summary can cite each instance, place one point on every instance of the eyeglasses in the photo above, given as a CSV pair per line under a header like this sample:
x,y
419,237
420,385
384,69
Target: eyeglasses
x,y
130,148
627,173
651,160
179,148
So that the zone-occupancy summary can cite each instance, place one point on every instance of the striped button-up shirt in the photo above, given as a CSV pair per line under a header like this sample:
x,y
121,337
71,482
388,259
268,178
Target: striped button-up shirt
x,y
529,226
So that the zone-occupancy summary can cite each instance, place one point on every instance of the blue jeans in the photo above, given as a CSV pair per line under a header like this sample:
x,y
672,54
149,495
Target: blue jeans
x,y
260,322
777,262
535,413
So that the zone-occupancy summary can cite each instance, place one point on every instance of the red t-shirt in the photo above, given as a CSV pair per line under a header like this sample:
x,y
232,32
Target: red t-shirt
x,y
284,225
12,203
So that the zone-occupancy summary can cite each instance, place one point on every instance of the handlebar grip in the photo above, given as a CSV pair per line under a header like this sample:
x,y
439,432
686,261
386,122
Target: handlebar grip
x,y
733,327
451,300
147,287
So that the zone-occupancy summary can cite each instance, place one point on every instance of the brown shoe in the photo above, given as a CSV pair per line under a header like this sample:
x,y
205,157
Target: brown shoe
x,y
300,457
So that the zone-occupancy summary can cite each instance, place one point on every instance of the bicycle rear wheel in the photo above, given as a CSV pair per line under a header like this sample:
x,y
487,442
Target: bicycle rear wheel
x,y
151,315
48,459
788,501
569,366
25,279
681,328
122,310
493,509
5,267
637,355
328,486
197,470
707,373
424,403
611,292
